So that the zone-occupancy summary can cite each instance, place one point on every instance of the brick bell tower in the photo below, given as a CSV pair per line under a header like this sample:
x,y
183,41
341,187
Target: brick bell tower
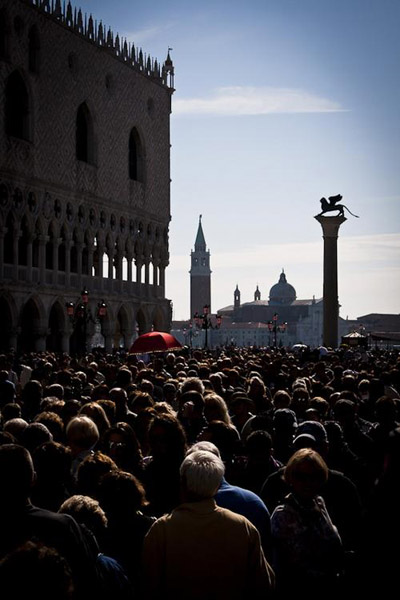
x,y
200,275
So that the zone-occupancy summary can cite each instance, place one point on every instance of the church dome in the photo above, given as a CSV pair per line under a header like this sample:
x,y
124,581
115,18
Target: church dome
x,y
282,292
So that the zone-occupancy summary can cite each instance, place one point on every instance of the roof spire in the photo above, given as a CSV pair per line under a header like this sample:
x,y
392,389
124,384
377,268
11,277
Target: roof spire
x,y
200,243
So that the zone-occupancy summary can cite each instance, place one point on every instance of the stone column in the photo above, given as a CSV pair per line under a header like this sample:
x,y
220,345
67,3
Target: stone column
x,y
146,271
17,235
155,272
56,245
79,249
3,232
43,239
68,244
138,271
90,250
330,231
129,259
162,277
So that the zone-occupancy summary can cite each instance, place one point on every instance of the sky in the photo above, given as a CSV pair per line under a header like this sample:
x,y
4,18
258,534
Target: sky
x,y
277,104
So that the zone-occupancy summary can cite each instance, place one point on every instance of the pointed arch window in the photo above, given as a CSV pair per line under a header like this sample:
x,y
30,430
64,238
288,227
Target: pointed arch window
x,y
136,157
34,49
84,135
17,113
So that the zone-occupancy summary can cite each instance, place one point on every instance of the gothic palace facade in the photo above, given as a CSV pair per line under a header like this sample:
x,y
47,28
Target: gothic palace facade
x,y
84,181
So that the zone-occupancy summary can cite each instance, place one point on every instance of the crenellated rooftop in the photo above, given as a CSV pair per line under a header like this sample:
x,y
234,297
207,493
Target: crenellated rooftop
x,y
96,32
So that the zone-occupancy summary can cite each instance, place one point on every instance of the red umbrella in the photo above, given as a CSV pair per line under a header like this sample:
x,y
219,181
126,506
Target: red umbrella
x,y
155,341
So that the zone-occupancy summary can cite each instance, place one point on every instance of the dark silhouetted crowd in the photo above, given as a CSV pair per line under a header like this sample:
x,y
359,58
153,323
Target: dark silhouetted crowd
x,y
234,473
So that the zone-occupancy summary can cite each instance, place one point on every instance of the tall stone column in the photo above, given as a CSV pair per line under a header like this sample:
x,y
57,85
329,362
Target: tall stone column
x,y
330,231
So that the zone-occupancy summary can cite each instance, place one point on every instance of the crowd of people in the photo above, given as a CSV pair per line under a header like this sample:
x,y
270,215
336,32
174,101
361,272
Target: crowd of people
x,y
238,472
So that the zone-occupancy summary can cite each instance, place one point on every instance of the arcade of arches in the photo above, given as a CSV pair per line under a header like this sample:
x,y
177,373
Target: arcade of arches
x,y
49,252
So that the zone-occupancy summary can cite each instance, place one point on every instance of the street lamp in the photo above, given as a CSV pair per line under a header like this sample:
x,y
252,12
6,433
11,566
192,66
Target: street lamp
x,y
273,327
204,322
85,302
81,315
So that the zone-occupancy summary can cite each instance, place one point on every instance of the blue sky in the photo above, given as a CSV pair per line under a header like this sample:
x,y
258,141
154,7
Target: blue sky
x,y
278,103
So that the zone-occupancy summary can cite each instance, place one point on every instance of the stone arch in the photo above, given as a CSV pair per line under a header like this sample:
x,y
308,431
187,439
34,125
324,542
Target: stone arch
x,y
8,322
56,327
123,328
141,321
18,107
85,140
158,320
32,326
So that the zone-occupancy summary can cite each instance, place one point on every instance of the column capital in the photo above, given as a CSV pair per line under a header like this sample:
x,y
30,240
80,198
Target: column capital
x,y
330,225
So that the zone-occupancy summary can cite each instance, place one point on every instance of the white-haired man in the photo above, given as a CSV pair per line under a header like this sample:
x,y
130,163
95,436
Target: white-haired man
x,y
201,550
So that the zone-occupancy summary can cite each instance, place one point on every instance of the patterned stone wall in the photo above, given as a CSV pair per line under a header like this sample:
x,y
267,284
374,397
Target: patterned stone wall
x,y
44,186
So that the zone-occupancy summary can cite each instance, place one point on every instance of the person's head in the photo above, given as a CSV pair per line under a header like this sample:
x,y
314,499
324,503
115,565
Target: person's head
x,y
192,383
36,571
16,474
16,427
191,405
344,411
311,434
124,377
206,446
215,408
53,422
52,462
258,446
306,472
88,511
97,413
121,494
281,399
82,434
138,401
201,475
224,436
256,386
119,396
34,435
90,472
12,410
121,444
55,389
166,437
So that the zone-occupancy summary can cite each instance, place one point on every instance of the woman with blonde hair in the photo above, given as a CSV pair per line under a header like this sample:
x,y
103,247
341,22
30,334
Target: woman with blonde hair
x,y
216,409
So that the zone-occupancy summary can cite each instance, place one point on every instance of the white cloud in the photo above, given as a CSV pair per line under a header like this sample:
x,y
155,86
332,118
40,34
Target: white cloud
x,y
367,249
369,273
242,100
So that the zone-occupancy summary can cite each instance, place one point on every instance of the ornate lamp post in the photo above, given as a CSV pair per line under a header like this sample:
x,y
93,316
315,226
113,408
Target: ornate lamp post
x,y
82,314
204,322
273,327
85,302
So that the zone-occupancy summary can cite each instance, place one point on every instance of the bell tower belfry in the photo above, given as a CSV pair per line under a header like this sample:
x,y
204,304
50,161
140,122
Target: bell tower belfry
x,y
200,275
